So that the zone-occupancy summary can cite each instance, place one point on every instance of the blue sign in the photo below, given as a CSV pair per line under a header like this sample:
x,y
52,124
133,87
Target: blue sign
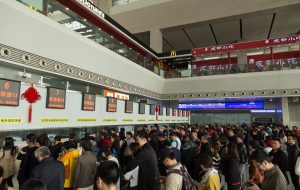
x,y
223,105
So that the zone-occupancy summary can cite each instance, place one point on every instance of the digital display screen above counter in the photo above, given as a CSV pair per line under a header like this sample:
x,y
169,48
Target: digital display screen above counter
x,y
88,102
142,108
223,105
161,110
152,109
168,111
111,104
9,92
173,112
128,107
56,98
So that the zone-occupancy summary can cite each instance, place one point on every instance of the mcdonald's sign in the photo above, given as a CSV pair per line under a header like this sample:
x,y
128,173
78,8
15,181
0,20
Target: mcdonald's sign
x,y
173,53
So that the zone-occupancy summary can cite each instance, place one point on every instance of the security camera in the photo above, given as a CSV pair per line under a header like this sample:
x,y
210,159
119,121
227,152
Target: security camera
x,y
24,75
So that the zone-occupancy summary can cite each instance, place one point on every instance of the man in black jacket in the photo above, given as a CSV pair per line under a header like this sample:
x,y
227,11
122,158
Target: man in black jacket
x,y
28,161
146,159
279,157
50,171
293,152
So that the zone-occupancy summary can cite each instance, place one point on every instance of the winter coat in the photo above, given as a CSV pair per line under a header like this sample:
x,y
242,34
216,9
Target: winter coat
x,y
149,176
7,161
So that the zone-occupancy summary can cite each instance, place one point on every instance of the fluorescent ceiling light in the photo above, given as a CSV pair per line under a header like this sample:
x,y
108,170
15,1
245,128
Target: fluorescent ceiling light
x,y
210,58
256,53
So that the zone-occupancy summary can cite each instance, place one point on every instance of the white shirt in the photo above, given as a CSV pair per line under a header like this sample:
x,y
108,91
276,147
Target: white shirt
x,y
176,143
133,176
297,167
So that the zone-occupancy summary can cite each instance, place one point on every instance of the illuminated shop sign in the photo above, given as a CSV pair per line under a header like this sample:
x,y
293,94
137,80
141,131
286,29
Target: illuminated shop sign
x,y
87,4
223,105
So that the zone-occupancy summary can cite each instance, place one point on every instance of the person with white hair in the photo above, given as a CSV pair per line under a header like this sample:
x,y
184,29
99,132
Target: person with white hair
x,y
49,171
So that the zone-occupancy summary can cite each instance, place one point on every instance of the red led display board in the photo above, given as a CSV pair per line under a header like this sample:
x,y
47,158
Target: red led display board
x,y
9,92
128,107
183,113
167,111
88,102
111,105
152,109
142,108
56,98
179,113
173,112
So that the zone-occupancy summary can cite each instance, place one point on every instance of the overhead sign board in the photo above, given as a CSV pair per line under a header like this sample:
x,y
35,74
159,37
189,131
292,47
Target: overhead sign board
x,y
88,102
90,6
56,98
9,92
111,104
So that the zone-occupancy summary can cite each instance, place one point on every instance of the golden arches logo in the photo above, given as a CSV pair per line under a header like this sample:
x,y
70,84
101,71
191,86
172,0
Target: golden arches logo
x,y
173,53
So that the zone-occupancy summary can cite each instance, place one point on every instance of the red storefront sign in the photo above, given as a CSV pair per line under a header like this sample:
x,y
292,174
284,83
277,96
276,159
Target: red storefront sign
x,y
246,45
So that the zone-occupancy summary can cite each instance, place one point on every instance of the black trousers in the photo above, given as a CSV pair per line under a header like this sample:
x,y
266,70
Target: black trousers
x,y
8,181
295,179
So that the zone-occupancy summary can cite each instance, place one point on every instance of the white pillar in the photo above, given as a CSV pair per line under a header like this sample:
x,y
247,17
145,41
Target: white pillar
x,y
242,60
285,111
156,40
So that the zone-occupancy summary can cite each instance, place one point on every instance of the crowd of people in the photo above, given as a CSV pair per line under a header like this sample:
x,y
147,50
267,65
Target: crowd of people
x,y
190,157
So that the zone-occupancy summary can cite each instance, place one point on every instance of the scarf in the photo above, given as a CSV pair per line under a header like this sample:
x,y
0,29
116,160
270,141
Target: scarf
x,y
209,173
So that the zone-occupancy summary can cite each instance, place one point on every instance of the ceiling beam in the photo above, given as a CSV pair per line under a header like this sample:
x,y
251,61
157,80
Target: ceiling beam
x,y
188,36
241,29
271,26
213,33
169,44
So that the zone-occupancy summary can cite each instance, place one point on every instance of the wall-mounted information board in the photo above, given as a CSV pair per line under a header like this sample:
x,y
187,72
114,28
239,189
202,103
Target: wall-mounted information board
x,y
161,110
111,105
56,98
9,92
173,112
88,102
128,107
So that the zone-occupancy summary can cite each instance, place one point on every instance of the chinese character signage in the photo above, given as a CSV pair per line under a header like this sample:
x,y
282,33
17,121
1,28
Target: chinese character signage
x,y
9,92
128,107
88,102
56,98
179,113
111,104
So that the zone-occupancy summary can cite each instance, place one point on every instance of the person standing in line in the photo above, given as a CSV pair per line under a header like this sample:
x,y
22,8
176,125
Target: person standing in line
x,y
49,171
129,140
69,159
176,143
279,157
146,159
132,176
273,177
8,157
29,161
293,152
85,169
106,153
211,179
107,176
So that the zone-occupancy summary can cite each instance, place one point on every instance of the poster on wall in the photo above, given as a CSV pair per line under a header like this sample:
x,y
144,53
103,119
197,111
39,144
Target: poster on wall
x,y
88,102
161,110
56,98
128,107
9,92
173,112
167,111
142,108
111,105
152,109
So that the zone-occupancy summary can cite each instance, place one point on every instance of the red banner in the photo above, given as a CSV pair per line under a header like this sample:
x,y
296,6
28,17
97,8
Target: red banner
x,y
246,45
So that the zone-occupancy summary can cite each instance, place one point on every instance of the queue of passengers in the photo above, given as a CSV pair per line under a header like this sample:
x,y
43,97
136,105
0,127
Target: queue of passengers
x,y
190,157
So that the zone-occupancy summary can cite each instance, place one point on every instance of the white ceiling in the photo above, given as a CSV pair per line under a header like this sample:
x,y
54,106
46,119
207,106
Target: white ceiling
x,y
254,27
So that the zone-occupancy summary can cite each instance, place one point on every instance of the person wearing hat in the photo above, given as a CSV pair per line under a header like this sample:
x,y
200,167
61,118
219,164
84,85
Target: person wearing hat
x,y
173,180
243,156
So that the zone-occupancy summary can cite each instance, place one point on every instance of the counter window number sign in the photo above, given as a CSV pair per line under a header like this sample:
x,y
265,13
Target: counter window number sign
x,y
56,98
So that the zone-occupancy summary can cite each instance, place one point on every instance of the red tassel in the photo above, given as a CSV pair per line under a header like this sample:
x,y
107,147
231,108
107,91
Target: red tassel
x,y
30,114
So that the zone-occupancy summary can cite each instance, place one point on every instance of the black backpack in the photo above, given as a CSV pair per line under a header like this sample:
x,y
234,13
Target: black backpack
x,y
187,181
